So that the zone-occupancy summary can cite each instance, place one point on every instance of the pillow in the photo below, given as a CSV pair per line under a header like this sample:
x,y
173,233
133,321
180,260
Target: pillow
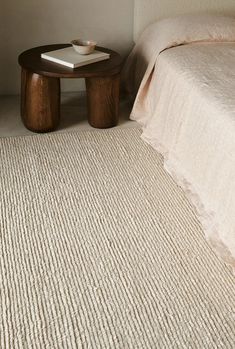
x,y
169,33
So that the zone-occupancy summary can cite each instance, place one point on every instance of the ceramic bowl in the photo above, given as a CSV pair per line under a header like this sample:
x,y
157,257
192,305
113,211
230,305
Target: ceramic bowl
x,y
83,47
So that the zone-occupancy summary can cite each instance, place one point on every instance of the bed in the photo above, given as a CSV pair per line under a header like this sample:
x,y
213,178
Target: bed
x,y
182,74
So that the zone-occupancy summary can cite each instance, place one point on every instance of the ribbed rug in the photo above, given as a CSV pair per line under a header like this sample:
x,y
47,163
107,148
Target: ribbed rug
x,y
101,249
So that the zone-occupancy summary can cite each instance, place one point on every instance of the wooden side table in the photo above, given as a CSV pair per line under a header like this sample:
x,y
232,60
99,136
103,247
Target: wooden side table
x,y
40,89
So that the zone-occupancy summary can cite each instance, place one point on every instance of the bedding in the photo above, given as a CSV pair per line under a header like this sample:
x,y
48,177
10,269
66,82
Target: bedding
x,y
186,107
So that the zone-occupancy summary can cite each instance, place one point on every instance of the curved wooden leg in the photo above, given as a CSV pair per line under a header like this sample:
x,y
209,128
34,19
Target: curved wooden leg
x,y
40,101
103,100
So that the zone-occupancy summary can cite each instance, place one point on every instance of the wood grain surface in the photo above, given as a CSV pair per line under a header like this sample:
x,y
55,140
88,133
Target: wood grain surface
x,y
32,61
40,101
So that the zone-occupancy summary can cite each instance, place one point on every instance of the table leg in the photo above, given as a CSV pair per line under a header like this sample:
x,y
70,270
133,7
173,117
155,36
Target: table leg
x,y
40,101
103,100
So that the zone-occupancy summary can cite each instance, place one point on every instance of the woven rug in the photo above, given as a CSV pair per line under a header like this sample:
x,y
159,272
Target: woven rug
x,y
101,249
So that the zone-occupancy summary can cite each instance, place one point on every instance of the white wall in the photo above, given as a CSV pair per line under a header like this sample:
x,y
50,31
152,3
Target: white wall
x,y
28,23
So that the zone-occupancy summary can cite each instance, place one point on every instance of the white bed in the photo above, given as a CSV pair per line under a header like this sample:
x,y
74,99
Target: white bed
x,y
186,106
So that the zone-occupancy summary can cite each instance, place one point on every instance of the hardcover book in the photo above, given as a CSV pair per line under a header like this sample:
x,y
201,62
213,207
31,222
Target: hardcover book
x,y
70,58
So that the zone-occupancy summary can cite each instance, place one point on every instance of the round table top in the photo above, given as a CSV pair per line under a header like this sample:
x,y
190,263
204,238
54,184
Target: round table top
x,y
32,61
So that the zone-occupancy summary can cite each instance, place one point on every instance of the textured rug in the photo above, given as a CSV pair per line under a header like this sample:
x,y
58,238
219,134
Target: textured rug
x,y
99,248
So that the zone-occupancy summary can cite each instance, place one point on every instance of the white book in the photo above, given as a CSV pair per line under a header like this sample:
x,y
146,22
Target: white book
x,y
70,58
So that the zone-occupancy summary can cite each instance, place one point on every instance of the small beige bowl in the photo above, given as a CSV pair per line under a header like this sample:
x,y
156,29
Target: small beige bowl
x,y
83,47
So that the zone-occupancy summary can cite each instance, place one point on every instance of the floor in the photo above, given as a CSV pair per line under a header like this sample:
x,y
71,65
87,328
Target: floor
x,y
73,115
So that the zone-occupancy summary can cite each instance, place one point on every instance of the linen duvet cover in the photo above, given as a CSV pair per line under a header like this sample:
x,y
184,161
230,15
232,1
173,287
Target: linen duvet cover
x,y
184,71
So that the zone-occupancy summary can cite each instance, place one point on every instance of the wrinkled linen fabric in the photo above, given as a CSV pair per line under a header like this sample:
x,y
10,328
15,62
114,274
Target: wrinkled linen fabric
x,y
168,33
186,107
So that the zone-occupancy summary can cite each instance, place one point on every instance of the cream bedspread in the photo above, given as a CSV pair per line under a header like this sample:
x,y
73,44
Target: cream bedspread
x,y
186,106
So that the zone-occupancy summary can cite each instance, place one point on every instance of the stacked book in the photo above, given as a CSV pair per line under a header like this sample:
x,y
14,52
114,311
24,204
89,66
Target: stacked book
x,y
70,58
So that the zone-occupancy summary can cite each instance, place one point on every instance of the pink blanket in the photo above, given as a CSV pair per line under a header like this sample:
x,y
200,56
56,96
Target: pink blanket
x,y
186,106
